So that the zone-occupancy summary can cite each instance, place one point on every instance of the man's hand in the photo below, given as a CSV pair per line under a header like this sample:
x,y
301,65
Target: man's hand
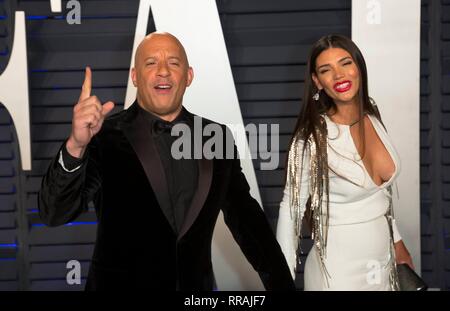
x,y
88,117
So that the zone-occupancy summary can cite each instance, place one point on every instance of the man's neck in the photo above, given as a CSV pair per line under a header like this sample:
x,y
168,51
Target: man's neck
x,y
169,117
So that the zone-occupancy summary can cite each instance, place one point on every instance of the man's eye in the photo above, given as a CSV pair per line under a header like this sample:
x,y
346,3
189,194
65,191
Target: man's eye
x,y
175,64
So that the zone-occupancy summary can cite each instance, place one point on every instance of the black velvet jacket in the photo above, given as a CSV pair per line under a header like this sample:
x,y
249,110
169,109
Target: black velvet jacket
x,y
136,247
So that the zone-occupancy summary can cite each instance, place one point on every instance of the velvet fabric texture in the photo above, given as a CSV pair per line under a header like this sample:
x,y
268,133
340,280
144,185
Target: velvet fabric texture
x,y
136,247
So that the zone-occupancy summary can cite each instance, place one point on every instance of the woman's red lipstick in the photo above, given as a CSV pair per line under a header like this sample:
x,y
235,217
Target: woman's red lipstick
x,y
342,87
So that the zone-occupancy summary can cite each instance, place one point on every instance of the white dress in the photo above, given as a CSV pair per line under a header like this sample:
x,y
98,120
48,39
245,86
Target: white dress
x,y
357,252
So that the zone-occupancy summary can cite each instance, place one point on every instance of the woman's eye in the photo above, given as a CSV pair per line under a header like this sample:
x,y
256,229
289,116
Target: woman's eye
x,y
323,71
348,63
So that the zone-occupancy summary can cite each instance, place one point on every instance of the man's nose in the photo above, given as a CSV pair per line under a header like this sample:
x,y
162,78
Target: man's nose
x,y
163,70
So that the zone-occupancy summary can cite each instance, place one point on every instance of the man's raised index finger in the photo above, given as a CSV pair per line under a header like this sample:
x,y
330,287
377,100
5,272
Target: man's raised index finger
x,y
87,85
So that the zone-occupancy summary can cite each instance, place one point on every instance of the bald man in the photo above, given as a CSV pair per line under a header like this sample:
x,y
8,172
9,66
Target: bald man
x,y
156,214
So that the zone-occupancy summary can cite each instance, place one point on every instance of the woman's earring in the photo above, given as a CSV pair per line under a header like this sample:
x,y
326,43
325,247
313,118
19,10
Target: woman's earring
x,y
316,96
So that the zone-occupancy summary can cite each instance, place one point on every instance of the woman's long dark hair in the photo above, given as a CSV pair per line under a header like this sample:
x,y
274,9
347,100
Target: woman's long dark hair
x,y
310,119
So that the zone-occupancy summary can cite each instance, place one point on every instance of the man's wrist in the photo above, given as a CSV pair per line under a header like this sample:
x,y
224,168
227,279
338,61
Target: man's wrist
x,y
74,150
67,161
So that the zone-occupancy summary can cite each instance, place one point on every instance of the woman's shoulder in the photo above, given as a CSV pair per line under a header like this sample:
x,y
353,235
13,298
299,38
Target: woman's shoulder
x,y
378,124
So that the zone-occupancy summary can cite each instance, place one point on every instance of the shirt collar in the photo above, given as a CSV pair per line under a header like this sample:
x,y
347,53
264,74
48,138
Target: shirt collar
x,y
183,117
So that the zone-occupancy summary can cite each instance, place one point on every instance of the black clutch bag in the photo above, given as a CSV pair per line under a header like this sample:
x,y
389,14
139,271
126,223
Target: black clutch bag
x,y
409,280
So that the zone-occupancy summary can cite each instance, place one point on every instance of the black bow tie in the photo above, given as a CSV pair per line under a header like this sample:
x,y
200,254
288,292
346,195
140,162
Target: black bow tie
x,y
161,126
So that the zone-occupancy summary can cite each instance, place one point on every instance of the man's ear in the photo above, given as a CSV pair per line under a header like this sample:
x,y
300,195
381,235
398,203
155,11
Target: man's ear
x,y
316,81
133,76
190,76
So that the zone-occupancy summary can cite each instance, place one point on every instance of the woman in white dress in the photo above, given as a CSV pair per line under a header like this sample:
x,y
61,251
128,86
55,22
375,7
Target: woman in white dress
x,y
340,170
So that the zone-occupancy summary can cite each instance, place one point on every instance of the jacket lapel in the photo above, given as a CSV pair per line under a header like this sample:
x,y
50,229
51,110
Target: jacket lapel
x,y
137,131
205,168
205,173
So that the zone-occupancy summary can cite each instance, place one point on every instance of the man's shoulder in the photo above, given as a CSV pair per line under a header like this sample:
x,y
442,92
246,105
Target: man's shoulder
x,y
116,117
115,120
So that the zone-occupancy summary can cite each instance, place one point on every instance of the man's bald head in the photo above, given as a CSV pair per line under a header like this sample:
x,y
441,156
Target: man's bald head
x,y
158,37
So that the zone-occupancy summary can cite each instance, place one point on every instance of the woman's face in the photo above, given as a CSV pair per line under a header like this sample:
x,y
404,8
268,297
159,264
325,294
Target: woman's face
x,y
337,74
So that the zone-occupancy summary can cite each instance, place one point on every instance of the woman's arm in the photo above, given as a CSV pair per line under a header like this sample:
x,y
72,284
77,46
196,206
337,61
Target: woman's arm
x,y
401,252
286,233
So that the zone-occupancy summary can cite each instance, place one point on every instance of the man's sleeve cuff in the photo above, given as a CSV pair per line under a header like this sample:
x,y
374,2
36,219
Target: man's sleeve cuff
x,y
69,163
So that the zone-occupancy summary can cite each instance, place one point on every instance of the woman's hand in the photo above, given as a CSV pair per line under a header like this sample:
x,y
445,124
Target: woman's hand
x,y
402,255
